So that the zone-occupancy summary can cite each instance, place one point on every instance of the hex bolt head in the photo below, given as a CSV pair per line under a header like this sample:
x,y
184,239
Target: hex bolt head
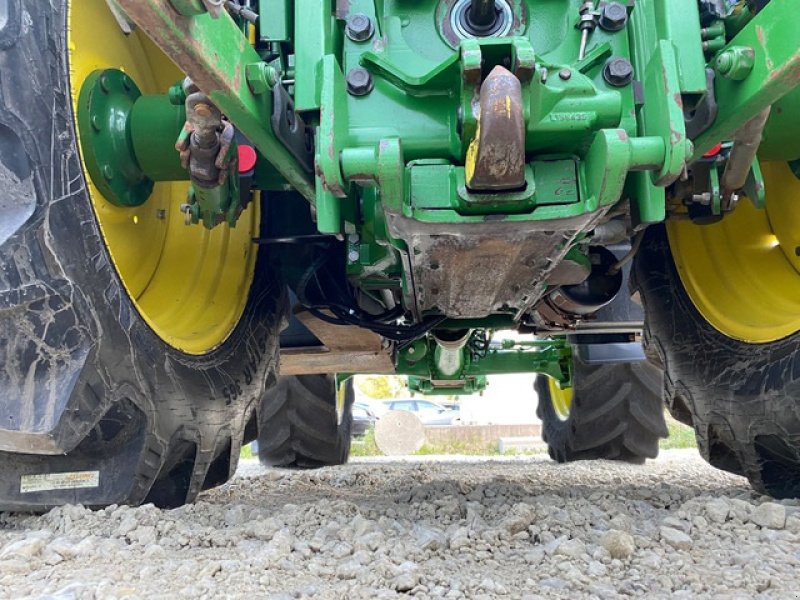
x,y
614,17
261,77
359,82
565,74
618,72
359,28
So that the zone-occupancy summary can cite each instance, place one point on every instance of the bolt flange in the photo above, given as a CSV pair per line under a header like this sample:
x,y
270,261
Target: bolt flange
x,y
618,72
613,17
359,82
105,105
359,28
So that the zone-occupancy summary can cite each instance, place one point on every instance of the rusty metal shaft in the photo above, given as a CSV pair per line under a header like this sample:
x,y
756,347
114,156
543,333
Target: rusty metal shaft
x,y
496,157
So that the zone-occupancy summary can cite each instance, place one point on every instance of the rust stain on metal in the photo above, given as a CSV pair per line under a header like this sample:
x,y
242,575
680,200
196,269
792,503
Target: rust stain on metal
x,y
342,9
173,33
789,73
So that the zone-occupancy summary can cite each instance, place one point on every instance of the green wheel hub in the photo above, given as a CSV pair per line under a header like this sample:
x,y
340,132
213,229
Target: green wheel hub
x,y
104,113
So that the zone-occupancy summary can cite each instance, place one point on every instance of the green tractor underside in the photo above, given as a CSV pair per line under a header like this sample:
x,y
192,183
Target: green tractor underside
x,y
440,169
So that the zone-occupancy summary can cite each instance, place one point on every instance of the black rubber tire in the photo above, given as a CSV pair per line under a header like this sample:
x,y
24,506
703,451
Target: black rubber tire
x,y
742,399
85,384
299,426
616,413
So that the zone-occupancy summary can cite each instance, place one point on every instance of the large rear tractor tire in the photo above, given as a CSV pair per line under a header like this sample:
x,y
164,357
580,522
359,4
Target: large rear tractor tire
x,y
133,349
300,426
613,412
722,305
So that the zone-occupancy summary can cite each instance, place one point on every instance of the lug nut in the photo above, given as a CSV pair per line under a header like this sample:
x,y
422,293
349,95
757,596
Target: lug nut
x,y
359,28
614,17
359,82
618,72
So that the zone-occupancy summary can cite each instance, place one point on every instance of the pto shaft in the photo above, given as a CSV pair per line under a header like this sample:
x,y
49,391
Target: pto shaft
x,y
482,14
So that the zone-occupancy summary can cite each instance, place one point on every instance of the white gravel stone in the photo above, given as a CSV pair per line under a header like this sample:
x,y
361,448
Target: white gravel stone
x,y
571,548
675,538
25,548
618,544
456,528
717,510
769,514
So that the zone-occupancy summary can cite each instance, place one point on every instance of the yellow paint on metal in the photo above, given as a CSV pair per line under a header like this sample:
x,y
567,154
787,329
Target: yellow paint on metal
x,y
560,398
743,273
472,155
190,285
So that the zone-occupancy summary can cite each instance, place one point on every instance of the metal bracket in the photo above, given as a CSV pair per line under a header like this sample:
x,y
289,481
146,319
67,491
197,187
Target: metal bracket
x,y
703,115
291,129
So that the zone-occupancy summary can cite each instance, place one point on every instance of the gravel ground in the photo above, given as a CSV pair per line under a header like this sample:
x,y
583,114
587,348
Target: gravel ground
x,y
522,528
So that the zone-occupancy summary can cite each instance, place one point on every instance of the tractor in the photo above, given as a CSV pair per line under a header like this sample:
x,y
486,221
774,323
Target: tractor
x,y
216,212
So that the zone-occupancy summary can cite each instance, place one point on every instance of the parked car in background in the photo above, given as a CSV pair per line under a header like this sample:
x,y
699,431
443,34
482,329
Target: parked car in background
x,y
363,418
430,413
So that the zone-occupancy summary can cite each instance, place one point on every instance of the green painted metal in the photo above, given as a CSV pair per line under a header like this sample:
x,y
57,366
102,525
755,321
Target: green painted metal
x,y
215,54
782,134
189,8
276,18
775,37
470,385
108,152
128,139
397,150
313,35
216,205
155,123
679,22
550,357
736,62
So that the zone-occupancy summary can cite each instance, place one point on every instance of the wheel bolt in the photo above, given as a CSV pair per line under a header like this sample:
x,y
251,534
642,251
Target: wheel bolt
x,y
618,72
359,28
359,82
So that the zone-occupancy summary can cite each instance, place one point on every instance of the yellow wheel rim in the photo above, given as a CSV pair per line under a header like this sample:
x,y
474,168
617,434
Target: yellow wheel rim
x,y
743,273
560,398
190,285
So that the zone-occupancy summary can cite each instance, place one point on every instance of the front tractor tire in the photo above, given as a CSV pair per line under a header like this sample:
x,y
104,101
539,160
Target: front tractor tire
x,y
300,426
133,349
613,412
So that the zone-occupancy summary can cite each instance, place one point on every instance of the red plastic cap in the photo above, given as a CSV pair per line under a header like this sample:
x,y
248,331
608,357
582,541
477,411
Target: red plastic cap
x,y
247,159
713,152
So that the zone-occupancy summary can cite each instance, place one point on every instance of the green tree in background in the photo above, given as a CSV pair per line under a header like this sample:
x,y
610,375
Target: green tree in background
x,y
381,387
